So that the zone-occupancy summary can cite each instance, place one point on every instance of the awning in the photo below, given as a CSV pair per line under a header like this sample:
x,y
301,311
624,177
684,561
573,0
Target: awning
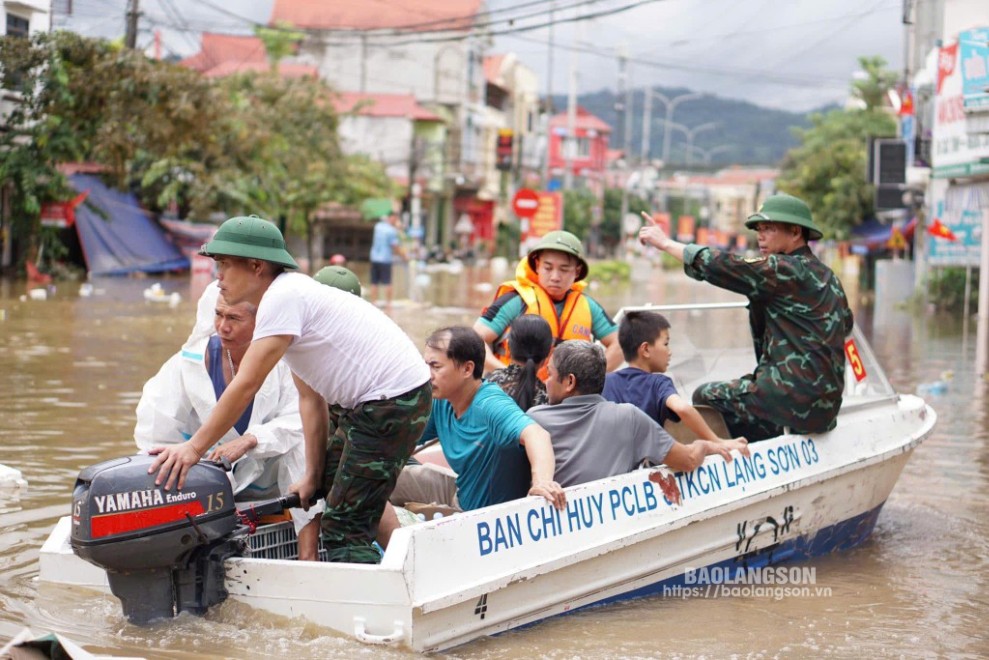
x,y
874,235
374,208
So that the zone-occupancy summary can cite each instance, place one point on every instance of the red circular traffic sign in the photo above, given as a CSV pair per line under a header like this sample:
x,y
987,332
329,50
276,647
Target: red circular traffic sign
x,y
525,203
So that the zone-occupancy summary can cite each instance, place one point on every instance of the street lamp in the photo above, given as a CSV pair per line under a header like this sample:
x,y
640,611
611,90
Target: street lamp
x,y
694,131
689,132
708,154
671,105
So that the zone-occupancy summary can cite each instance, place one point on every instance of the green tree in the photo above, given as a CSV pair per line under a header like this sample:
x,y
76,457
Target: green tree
x,y
873,88
828,169
578,211
91,100
298,166
254,143
279,41
33,141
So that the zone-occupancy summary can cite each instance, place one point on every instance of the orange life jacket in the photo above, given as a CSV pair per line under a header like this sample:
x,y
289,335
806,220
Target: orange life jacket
x,y
574,322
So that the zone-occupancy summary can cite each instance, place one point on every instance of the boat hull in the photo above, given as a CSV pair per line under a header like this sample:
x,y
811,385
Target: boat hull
x,y
449,581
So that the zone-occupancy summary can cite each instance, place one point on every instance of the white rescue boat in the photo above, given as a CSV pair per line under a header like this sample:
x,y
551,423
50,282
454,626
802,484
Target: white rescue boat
x,y
445,582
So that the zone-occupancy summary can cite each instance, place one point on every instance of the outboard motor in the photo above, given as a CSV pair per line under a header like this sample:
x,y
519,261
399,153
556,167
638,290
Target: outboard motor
x,y
163,551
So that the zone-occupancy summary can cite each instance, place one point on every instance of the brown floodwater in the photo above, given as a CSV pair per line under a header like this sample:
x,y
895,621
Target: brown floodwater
x,y
71,371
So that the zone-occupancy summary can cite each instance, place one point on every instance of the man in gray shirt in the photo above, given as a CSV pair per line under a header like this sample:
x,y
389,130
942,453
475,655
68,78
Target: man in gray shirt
x,y
595,438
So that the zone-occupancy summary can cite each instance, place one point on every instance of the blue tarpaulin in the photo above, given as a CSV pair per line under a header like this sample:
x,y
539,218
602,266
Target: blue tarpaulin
x,y
124,239
874,235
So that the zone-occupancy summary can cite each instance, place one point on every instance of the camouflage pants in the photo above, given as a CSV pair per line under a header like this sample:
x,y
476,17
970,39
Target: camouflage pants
x,y
366,452
738,404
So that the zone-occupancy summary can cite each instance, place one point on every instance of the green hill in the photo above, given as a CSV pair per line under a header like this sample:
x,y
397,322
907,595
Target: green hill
x,y
746,134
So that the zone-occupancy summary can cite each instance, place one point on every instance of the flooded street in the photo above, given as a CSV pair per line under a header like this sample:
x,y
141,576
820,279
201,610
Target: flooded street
x,y
73,367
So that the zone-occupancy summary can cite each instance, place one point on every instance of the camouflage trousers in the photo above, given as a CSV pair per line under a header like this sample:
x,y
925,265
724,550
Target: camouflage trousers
x,y
743,412
367,449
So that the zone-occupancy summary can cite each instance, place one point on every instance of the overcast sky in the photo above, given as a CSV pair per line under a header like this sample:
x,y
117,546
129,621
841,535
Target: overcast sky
x,y
790,54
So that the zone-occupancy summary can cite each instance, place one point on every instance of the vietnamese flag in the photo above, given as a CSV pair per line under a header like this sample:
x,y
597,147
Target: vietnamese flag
x,y
906,104
939,230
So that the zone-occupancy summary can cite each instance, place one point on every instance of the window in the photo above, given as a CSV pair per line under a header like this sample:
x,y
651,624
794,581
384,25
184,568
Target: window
x,y
17,26
583,148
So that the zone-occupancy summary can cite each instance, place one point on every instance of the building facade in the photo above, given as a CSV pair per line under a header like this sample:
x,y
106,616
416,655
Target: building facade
x,y
430,51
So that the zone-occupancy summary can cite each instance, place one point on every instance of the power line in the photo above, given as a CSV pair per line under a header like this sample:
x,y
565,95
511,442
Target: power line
x,y
774,29
827,35
406,29
417,28
528,28
800,81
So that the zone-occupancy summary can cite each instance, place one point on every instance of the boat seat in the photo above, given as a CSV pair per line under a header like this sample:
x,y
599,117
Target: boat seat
x,y
682,434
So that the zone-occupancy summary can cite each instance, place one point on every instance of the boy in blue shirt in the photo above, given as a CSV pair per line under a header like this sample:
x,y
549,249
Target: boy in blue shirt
x,y
645,341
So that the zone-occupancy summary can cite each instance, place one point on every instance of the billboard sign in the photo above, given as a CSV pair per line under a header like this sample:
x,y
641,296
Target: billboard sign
x,y
547,217
962,220
954,152
973,53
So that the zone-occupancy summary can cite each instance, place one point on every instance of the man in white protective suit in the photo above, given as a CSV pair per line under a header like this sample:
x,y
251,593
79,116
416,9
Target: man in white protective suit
x,y
266,445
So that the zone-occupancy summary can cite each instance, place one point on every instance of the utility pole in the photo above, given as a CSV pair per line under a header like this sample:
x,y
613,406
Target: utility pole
x,y
625,93
570,143
133,12
549,94
646,124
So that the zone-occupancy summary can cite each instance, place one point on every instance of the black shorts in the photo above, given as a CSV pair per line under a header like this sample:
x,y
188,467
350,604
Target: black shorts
x,y
380,273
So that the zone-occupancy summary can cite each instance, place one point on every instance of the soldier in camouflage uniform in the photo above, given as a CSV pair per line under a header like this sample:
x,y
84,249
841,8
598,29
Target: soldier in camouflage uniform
x,y
799,318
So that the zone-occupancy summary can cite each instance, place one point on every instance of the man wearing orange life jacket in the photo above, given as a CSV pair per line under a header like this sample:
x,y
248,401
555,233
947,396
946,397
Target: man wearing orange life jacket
x,y
549,282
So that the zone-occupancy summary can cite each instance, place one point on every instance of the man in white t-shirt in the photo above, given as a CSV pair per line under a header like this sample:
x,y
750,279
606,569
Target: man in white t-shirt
x,y
342,350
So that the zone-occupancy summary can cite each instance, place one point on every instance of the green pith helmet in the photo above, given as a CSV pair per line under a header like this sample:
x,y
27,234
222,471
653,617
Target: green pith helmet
x,y
561,241
249,237
339,278
788,209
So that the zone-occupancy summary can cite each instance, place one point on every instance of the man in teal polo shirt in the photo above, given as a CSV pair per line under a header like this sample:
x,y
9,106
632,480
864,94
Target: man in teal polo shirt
x,y
496,452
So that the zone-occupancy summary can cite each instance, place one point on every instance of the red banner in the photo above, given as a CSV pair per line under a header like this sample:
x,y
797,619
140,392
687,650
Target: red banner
x,y
703,236
548,216
946,59
685,229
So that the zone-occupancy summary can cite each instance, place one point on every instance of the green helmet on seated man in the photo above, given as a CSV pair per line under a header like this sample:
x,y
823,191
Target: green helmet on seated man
x,y
560,241
339,277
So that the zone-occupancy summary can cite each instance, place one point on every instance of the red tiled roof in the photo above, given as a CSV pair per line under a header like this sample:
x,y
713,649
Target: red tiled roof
x,y
220,48
415,15
735,176
585,120
383,105
224,55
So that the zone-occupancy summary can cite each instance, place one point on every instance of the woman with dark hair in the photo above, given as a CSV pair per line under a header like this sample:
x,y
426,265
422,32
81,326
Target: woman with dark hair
x,y
530,343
